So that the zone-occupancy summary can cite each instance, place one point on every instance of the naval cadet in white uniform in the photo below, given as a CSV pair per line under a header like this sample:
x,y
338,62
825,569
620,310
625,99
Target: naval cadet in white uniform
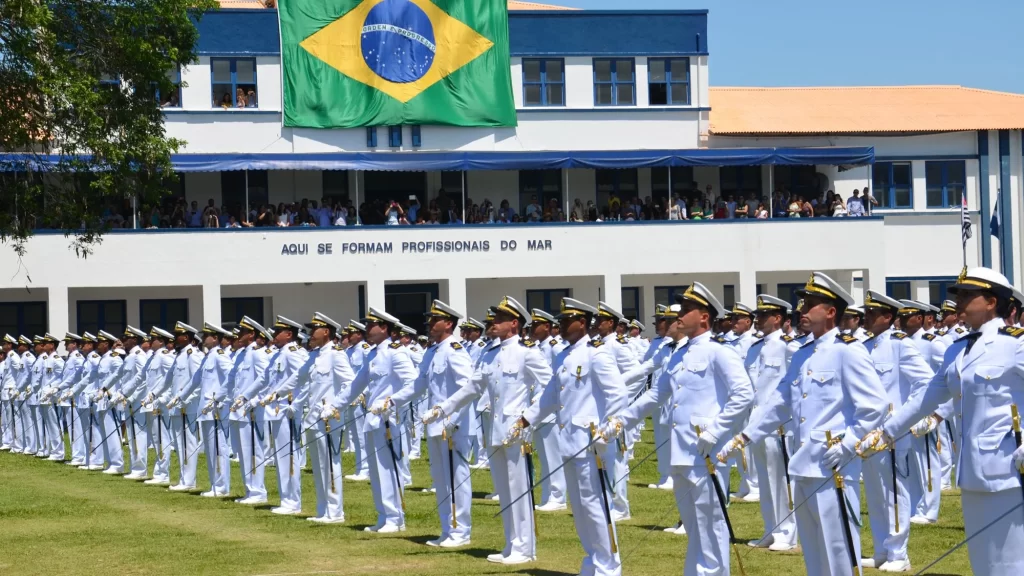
x,y
52,446
132,372
853,323
6,390
158,380
386,369
831,391
71,373
740,338
181,400
983,374
328,373
355,415
709,391
214,395
446,369
952,330
105,386
925,465
902,370
552,486
509,372
766,362
247,381
586,387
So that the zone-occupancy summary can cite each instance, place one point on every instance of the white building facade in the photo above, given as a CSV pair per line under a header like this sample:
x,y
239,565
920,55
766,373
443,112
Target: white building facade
x,y
607,102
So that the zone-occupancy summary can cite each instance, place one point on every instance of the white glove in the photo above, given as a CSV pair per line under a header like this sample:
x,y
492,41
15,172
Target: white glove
x,y
315,410
172,402
209,407
706,442
328,413
149,399
254,403
610,429
380,406
925,425
119,398
434,415
874,442
836,455
65,397
733,446
518,431
289,410
238,403
1018,459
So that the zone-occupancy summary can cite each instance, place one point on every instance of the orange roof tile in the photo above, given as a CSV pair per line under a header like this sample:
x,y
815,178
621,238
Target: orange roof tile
x,y
512,5
859,110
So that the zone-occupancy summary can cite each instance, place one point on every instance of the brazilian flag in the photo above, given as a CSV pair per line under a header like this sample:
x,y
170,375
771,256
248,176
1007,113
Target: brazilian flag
x,y
350,63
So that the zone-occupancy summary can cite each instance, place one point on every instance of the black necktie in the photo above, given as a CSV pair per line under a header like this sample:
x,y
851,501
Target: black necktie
x,y
971,339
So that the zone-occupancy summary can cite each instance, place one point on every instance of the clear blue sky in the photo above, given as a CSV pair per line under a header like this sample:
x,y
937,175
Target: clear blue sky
x,y
869,42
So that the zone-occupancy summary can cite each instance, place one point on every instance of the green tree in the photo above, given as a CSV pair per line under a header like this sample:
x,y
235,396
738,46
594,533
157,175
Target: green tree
x,y
80,121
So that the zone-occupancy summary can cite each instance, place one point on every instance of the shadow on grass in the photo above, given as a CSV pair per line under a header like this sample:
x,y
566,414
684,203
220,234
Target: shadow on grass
x,y
533,572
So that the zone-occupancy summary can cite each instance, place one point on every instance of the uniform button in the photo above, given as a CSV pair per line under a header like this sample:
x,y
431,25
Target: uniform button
x,y
562,407
675,405
803,420
801,443
561,426
673,424
805,395
562,388
808,372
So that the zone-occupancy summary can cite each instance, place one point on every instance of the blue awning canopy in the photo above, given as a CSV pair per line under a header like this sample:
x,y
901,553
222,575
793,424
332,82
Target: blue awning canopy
x,y
436,161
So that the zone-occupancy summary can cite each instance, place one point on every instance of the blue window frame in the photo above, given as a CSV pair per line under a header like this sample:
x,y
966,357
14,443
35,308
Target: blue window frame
x,y
666,295
228,76
371,136
938,290
417,137
543,82
232,309
631,303
945,182
162,313
23,318
893,183
547,300
899,290
788,292
171,99
395,136
96,315
668,81
614,82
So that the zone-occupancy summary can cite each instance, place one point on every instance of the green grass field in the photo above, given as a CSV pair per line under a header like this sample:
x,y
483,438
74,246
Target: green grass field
x,y
55,519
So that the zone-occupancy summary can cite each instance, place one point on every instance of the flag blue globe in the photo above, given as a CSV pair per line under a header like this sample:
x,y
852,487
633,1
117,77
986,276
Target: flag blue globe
x,y
398,41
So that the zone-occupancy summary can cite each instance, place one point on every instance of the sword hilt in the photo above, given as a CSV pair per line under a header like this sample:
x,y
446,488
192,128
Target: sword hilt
x,y
1016,418
835,470
707,459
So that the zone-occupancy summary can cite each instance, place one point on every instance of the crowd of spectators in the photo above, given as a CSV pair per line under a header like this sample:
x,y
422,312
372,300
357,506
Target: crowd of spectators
x,y
445,209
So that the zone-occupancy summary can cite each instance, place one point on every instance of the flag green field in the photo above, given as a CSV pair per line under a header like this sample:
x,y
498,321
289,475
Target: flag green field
x,y
350,63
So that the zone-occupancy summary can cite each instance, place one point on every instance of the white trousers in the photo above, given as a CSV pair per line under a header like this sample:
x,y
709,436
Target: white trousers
x,y
948,457
878,489
21,422
52,432
997,551
78,422
353,430
925,502
34,440
186,444
6,418
662,433
138,442
217,449
707,549
289,470
511,480
593,527
481,449
617,473
325,457
387,491
250,453
766,458
111,450
160,431
440,472
819,520
552,487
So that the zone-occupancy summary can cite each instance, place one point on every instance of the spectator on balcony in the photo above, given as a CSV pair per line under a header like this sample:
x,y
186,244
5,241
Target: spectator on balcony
x,y
855,205
696,210
505,212
533,210
232,223
675,209
250,99
742,209
795,207
761,213
195,216
413,210
838,207
730,207
393,214
225,102
340,214
154,217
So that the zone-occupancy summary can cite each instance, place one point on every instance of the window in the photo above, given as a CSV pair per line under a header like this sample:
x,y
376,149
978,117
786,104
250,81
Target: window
x,y
938,290
728,296
452,182
682,184
371,136
668,81
542,187
892,184
788,292
417,137
666,295
96,315
898,290
162,313
631,303
23,318
737,180
232,185
171,99
543,82
614,82
800,180
395,136
760,289
549,301
335,185
110,81
945,181
234,82
232,309
618,182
